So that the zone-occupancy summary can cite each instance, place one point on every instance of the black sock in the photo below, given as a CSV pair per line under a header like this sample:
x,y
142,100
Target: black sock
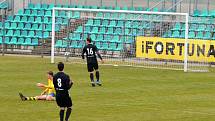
x,y
91,77
61,115
68,112
97,75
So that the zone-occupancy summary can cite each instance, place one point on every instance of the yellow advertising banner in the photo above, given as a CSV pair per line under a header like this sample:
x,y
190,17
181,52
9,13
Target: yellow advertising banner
x,y
173,49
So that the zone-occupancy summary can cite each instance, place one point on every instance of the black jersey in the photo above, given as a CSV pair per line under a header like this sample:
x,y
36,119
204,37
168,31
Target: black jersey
x,y
90,51
61,82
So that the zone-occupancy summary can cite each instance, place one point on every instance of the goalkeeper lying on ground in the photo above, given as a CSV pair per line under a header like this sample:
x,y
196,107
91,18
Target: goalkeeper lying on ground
x,y
47,94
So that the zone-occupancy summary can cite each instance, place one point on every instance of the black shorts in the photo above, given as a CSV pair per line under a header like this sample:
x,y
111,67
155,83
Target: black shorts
x,y
92,66
63,100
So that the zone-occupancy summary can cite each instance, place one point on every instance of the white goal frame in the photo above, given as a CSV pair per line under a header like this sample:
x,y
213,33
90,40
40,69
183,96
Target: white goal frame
x,y
122,11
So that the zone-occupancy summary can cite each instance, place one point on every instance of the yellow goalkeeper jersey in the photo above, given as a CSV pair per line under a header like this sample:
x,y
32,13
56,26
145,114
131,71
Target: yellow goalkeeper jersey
x,y
50,87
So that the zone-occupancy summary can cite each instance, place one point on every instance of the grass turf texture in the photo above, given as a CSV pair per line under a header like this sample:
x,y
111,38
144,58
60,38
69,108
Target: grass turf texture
x,y
128,94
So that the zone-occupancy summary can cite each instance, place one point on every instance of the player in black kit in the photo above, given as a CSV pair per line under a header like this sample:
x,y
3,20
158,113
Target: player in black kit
x,y
92,64
62,84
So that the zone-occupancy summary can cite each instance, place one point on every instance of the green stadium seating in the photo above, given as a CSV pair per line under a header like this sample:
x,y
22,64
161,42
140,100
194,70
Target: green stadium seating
x,y
97,23
27,12
104,46
13,26
100,37
212,13
120,23
207,35
17,33
48,13
39,34
105,23
102,30
110,30
7,40
31,34
95,30
182,35
46,35
204,13
27,26
199,35
201,27
27,42
176,34
0,40
89,22
9,33
35,42
24,33
13,41
191,35
99,15
115,38
112,23
20,12
33,13
20,26
58,43
93,37
196,13
177,26
118,31
20,41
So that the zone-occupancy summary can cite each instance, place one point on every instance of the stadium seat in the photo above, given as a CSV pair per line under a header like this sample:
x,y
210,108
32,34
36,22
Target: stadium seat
x,y
100,37
17,33
44,6
110,30
74,44
112,47
75,36
48,13
201,27
38,20
33,13
76,15
97,23
50,6
117,8
127,31
95,30
46,20
31,34
212,13
9,33
99,15
105,23
17,19
31,6
125,8
31,19
118,31
104,46
115,38
167,34
24,33
107,16
102,30
191,35
93,37
128,24
27,26
108,38
27,42
20,26
120,23
177,26
39,34
27,12
204,13
193,27
122,16
13,41
89,22
34,27
35,42
135,25
182,35
7,25
46,35
112,23
37,6
199,35
20,41
87,29
176,34
62,14
13,26
24,19
79,29
207,35
196,13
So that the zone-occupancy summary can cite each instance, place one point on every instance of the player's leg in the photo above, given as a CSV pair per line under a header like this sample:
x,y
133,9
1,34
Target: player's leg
x,y
69,108
24,98
50,97
90,70
41,97
96,67
62,109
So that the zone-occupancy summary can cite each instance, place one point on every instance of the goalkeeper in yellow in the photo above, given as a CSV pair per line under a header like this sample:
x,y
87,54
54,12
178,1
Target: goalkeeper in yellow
x,y
48,90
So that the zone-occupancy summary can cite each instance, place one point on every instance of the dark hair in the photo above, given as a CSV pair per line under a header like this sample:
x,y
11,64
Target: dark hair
x,y
89,39
60,66
50,73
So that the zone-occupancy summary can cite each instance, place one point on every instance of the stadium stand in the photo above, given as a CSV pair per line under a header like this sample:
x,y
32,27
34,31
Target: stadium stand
x,y
33,23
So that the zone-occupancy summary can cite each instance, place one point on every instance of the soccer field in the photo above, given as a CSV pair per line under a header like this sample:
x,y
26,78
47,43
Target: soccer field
x,y
127,94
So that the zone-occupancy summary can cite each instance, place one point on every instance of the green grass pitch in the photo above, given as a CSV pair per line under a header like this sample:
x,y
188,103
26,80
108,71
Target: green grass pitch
x,y
128,94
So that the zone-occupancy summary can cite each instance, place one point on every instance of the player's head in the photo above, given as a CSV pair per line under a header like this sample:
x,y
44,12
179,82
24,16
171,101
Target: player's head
x,y
89,40
60,66
50,74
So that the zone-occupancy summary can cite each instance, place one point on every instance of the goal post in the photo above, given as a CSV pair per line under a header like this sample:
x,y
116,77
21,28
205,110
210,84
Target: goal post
x,y
127,47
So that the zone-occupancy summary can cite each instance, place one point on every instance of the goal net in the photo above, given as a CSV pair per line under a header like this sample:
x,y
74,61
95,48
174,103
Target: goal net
x,y
128,38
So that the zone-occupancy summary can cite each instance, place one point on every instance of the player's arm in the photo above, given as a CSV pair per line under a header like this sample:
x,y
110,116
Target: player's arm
x,y
70,83
99,55
83,51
